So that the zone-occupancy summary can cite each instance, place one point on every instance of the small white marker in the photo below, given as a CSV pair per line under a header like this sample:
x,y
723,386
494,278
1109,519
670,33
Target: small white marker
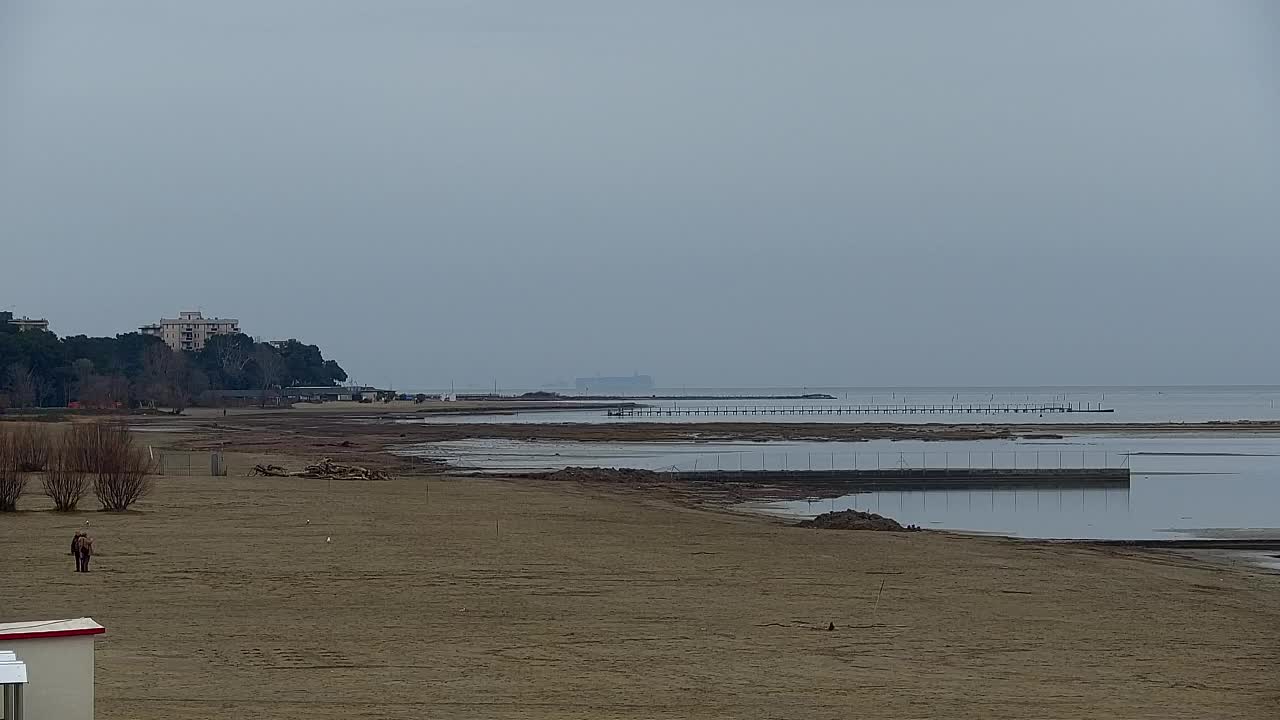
x,y
328,539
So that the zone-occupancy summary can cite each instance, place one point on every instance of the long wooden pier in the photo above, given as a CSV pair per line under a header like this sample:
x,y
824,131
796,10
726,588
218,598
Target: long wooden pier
x,y
945,409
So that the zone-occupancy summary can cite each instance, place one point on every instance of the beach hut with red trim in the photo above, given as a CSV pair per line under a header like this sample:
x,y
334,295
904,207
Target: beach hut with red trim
x,y
58,655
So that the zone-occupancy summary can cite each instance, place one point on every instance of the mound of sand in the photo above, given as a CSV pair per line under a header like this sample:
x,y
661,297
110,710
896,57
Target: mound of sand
x,y
580,474
855,520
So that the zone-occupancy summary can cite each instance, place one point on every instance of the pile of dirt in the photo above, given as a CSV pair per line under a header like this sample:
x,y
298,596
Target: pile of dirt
x,y
855,520
619,475
326,469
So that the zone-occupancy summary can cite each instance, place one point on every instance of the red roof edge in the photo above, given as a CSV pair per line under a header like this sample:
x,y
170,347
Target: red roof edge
x,y
37,634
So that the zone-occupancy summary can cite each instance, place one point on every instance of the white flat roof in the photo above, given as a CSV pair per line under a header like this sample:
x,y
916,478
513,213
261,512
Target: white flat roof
x,y
12,670
197,321
49,628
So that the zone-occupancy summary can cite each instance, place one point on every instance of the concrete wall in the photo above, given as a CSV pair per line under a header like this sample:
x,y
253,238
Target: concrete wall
x,y
59,676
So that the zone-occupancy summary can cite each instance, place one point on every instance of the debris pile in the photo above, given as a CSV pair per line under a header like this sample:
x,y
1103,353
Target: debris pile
x,y
855,520
326,469
583,474
269,471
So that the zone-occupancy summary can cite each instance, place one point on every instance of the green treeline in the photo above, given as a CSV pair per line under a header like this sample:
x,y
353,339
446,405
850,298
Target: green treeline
x,y
39,369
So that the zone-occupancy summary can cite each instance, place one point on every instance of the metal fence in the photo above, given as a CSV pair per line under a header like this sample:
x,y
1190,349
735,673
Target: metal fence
x,y
173,462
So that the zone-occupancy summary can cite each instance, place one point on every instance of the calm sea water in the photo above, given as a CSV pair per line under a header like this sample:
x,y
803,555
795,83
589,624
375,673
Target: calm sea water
x,y
1190,487
1182,486
1130,404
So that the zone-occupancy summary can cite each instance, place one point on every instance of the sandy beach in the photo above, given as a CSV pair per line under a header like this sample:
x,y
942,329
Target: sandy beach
x,y
586,360
474,598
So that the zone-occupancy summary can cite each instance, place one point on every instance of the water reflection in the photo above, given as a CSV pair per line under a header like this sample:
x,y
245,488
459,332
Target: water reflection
x,y
1181,486
1064,511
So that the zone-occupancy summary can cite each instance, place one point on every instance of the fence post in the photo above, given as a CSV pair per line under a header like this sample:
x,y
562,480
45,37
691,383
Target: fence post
x,y
217,465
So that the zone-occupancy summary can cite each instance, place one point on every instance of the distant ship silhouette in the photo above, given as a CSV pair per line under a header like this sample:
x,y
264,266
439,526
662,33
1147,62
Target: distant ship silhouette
x,y
623,383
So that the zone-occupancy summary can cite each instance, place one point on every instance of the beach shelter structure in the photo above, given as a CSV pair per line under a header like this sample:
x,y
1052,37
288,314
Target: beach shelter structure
x,y
55,679
13,676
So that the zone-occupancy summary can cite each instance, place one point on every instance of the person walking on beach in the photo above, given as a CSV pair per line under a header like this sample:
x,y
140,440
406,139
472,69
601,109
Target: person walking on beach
x,y
75,547
82,548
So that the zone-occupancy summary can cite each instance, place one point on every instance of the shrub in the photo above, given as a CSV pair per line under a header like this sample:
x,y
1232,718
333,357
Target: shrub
x,y
66,478
12,482
121,468
32,445
80,448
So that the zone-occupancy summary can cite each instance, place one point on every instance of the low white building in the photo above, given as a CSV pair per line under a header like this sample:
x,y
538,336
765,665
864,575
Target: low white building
x,y
13,680
58,659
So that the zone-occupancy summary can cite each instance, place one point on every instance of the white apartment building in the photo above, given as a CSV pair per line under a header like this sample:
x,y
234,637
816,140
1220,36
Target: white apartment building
x,y
25,323
190,330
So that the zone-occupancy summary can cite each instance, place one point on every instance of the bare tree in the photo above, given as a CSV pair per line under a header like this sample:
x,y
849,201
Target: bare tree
x,y
104,391
95,392
270,370
22,385
32,447
83,369
116,390
165,378
197,382
122,468
83,446
12,482
66,479
233,355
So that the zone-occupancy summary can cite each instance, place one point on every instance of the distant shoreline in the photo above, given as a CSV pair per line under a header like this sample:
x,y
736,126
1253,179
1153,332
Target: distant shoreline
x,y
810,396
560,397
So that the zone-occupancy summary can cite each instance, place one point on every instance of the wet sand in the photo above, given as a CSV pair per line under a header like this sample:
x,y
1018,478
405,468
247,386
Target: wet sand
x,y
477,598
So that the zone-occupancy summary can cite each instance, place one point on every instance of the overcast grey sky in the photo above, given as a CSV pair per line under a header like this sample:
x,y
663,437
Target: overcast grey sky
x,y
717,192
